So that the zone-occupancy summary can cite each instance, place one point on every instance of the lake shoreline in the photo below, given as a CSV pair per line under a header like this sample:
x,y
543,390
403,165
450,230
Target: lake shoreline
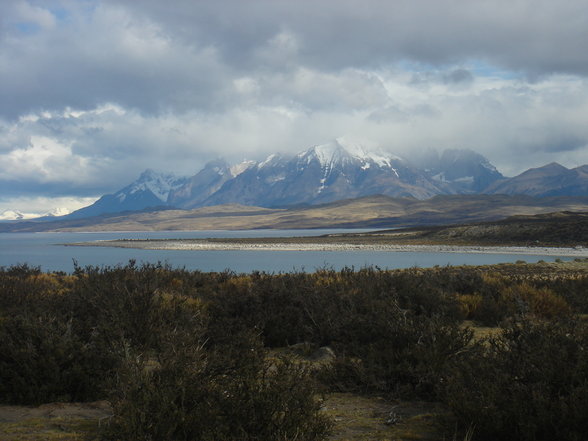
x,y
211,245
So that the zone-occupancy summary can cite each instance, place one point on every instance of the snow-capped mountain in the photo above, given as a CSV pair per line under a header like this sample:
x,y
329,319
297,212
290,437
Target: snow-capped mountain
x,y
458,171
205,183
151,189
202,185
325,173
12,215
329,172
321,174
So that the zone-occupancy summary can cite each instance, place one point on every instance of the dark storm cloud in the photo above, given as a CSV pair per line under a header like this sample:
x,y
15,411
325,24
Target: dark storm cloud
x,y
107,56
458,76
534,36
161,56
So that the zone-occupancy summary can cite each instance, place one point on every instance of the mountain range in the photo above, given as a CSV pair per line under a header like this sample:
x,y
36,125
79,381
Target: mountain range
x,y
324,173
331,172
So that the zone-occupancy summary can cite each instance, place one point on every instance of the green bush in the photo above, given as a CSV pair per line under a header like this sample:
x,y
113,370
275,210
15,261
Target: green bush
x,y
387,349
43,360
530,383
223,393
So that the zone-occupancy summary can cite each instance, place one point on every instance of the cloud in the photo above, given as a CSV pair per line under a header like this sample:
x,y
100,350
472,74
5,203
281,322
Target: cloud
x,y
109,57
43,205
95,91
526,35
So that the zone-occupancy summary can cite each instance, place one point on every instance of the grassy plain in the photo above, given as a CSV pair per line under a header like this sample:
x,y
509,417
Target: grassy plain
x,y
366,212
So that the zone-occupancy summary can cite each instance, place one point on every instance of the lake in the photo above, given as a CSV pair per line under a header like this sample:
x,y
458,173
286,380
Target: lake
x,y
46,251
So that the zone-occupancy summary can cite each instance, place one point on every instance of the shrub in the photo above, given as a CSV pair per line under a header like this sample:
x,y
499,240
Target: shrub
x,y
394,351
541,302
530,383
43,360
221,393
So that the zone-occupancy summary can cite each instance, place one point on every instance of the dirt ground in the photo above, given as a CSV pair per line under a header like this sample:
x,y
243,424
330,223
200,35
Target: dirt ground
x,y
376,419
356,418
53,422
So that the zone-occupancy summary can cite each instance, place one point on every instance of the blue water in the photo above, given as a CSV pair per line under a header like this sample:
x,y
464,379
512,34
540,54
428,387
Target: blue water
x,y
46,251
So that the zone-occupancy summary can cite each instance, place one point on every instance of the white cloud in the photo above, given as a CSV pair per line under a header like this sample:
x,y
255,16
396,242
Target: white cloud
x,y
89,101
39,206
43,159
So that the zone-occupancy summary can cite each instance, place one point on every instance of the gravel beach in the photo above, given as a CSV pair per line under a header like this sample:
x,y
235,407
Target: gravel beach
x,y
206,245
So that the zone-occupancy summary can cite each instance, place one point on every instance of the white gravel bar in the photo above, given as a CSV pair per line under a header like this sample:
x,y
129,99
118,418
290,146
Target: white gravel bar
x,y
205,245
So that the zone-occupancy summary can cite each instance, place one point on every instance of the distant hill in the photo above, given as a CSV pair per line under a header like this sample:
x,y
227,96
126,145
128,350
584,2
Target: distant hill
x,y
368,212
550,180
564,229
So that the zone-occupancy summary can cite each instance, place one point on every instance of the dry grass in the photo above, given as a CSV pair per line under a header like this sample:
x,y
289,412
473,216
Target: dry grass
x,y
53,422
364,418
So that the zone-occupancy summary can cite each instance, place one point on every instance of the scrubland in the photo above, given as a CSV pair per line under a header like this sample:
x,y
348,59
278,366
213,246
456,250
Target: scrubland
x,y
149,352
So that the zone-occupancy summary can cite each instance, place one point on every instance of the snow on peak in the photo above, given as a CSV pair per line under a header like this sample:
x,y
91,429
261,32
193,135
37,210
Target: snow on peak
x,y
488,166
236,170
269,160
342,148
360,152
12,215
328,153
159,184
59,211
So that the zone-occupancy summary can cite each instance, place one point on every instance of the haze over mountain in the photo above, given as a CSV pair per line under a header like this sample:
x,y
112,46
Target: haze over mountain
x,y
324,173
550,180
458,171
152,189
12,215
330,172
338,170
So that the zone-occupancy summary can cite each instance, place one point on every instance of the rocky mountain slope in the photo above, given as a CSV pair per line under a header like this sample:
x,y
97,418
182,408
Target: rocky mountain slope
x,y
152,189
458,171
324,173
334,171
550,180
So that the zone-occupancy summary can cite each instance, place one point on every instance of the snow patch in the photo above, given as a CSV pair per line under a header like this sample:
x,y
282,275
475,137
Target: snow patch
x,y
488,166
465,180
236,170
13,215
274,179
157,183
271,158
440,177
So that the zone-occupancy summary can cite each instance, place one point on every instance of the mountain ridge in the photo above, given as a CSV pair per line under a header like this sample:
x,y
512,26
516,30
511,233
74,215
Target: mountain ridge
x,y
340,169
323,173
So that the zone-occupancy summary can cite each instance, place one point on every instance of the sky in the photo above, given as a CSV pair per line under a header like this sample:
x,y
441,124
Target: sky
x,y
92,92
